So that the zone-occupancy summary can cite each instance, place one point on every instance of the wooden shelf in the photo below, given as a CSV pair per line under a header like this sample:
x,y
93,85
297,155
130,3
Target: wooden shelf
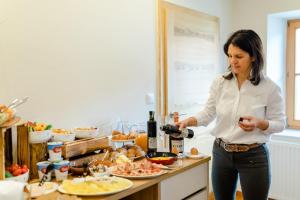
x,y
83,146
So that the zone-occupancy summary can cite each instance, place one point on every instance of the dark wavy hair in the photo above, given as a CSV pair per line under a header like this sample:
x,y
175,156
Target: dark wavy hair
x,y
250,42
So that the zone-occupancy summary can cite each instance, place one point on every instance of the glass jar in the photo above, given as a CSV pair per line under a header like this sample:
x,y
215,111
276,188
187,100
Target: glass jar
x,y
141,140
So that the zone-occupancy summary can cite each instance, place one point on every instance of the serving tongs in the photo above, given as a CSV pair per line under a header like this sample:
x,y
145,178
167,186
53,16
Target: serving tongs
x,y
44,178
15,103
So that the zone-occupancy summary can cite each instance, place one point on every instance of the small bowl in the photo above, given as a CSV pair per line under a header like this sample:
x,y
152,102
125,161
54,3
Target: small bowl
x,y
76,170
39,136
63,137
86,132
23,178
164,158
107,171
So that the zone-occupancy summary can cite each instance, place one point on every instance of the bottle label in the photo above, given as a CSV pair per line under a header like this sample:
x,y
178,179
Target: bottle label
x,y
152,144
179,144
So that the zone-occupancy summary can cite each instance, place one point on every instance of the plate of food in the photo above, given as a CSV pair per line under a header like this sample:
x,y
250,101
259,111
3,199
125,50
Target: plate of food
x,y
122,137
93,186
35,190
137,170
145,176
131,151
197,156
194,154
164,158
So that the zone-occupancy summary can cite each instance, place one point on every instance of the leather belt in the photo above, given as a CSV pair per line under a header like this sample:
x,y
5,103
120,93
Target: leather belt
x,y
236,147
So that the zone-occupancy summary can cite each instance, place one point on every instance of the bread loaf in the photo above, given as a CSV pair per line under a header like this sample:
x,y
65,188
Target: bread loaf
x,y
6,115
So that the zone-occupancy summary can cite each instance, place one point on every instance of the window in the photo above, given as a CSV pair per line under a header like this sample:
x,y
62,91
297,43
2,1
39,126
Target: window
x,y
188,58
293,74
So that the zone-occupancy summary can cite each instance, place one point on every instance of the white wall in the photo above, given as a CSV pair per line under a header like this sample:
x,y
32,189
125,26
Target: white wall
x,y
254,14
83,62
79,61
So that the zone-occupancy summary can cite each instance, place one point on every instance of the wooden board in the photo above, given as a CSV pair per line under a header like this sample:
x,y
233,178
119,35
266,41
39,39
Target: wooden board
x,y
38,153
23,155
86,159
81,147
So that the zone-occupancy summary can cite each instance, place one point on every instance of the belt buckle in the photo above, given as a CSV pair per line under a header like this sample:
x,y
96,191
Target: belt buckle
x,y
228,147
246,148
235,148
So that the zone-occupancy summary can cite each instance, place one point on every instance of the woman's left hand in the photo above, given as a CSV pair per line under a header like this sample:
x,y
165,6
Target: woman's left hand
x,y
248,123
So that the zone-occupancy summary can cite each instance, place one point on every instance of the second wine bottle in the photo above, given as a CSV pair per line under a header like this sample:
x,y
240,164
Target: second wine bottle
x,y
152,133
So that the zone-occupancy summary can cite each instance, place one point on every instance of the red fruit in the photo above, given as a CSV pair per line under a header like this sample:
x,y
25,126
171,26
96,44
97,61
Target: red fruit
x,y
24,167
14,168
17,172
15,165
23,170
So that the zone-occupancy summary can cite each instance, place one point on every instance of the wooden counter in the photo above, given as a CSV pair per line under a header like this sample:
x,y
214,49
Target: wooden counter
x,y
187,182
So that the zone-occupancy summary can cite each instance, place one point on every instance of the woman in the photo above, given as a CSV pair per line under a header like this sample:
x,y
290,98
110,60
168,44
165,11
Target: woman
x,y
248,108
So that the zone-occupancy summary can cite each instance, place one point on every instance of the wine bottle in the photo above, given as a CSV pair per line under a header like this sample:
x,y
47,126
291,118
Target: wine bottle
x,y
175,132
152,132
176,143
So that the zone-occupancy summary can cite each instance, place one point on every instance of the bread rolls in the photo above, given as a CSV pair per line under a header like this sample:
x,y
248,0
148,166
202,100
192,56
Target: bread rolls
x,y
194,151
6,115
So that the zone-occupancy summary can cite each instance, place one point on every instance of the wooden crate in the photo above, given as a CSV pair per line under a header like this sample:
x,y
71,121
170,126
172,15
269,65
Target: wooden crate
x,y
30,154
39,152
7,148
83,146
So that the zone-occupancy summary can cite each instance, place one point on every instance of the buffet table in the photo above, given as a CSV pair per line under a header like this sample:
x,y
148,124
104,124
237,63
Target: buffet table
x,y
190,181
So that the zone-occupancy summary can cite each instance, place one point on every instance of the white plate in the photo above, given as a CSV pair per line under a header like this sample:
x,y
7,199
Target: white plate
x,y
141,177
53,185
198,156
60,189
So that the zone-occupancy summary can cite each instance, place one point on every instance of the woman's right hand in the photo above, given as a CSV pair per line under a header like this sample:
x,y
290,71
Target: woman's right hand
x,y
191,121
182,124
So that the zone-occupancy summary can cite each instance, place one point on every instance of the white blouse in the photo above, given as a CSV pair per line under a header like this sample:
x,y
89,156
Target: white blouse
x,y
227,103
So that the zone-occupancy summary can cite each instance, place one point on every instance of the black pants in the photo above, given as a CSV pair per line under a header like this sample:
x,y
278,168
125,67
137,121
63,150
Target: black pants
x,y
252,167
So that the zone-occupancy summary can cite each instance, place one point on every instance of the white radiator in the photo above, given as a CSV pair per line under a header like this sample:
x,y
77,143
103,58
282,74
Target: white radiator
x,y
285,167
